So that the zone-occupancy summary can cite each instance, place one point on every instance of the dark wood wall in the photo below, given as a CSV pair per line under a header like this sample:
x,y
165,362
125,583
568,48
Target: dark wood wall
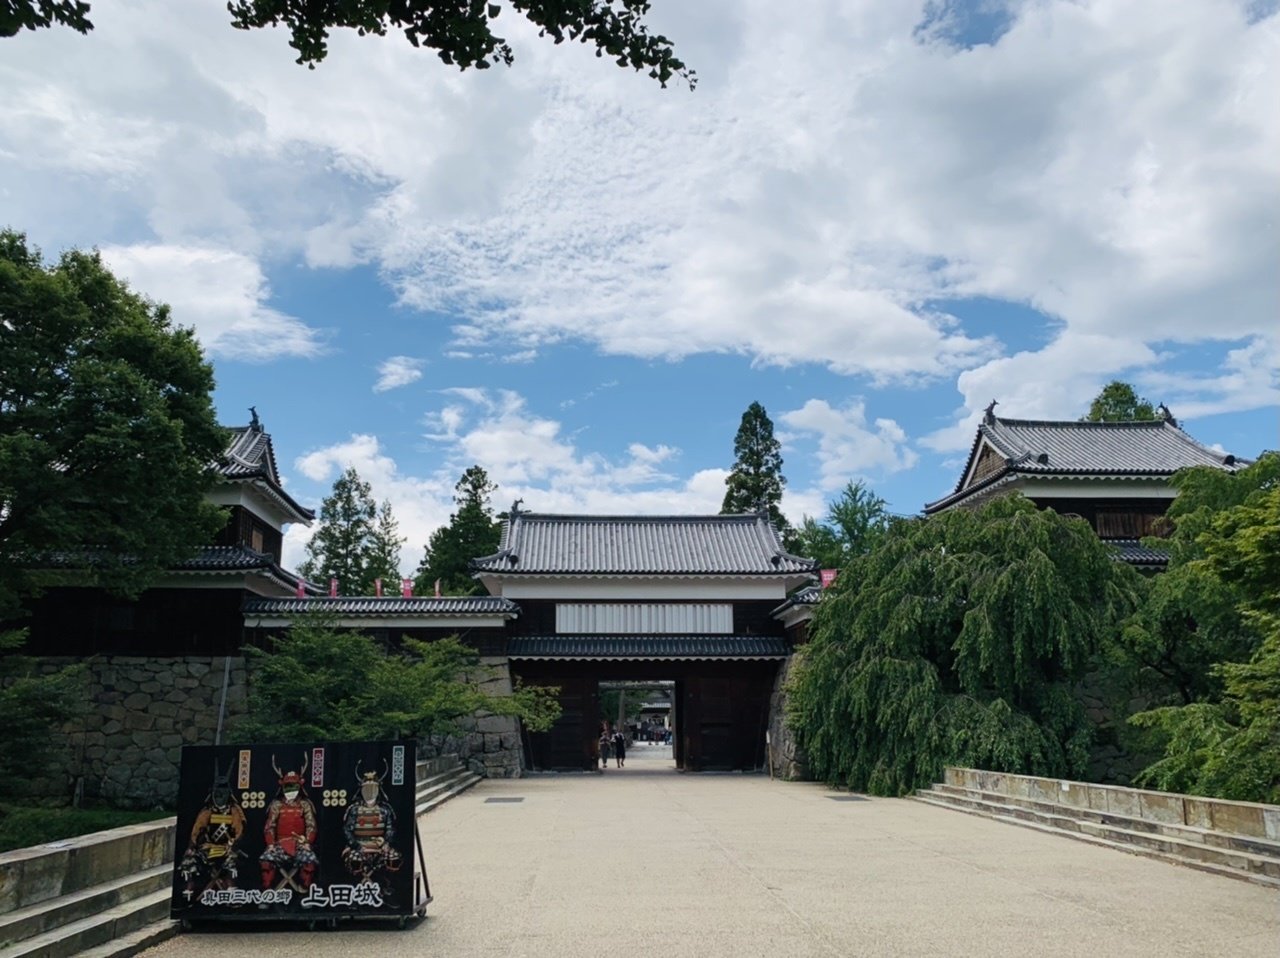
x,y
243,528
160,622
1112,518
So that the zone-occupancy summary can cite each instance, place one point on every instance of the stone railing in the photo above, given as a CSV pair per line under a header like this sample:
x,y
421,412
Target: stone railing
x,y
1238,818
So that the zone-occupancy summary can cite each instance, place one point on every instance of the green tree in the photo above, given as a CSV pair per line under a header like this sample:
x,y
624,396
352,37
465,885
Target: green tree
x,y
460,33
1224,739
356,543
384,549
856,521
755,482
472,532
957,640
107,429
1119,403
320,682
1194,614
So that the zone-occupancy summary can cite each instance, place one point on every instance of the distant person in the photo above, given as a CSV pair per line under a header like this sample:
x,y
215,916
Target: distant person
x,y
620,748
606,742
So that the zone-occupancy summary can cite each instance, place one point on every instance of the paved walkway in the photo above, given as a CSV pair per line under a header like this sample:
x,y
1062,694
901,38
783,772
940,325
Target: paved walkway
x,y
644,861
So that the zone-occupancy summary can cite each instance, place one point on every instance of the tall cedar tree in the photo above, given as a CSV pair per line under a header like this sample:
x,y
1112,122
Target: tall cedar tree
x,y
322,682
855,523
384,550
957,641
355,543
756,482
1118,402
471,533
107,429
460,33
1210,635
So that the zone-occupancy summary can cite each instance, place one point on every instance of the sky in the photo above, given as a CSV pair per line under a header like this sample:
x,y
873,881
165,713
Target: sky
x,y
871,217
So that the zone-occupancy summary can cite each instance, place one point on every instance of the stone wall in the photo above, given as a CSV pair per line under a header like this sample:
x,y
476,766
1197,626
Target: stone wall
x,y
1115,755
784,754
127,750
487,744
128,747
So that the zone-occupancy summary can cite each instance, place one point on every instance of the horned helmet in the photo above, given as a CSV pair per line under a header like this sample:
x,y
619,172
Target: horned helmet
x,y
220,793
370,783
290,782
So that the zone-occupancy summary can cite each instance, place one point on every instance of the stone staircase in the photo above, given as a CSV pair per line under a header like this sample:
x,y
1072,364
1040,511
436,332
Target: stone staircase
x,y
439,779
1235,839
106,895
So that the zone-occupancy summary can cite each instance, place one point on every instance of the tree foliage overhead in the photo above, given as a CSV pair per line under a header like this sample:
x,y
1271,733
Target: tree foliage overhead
x,y
956,641
107,429
1212,630
1118,402
460,31
856,521
472,532
321,682
755,482
357,542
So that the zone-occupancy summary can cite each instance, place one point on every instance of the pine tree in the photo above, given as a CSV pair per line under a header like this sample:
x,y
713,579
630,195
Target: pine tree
x,y
347,544
1118,402
472,532
856,521
384,550
756,482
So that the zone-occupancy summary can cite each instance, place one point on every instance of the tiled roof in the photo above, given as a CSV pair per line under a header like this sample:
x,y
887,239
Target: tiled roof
x,y
1135,553
1031,447
237,559
211,559
250,456
537,543
648,647
398,606
809,595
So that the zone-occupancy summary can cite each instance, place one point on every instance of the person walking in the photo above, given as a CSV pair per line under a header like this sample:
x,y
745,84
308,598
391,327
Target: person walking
x,y
606,742
620,747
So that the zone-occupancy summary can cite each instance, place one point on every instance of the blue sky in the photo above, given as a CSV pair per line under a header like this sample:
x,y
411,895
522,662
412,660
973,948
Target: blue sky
x,y
872,218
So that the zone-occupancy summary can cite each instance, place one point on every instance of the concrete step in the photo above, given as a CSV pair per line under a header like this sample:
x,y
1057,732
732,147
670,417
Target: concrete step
x,y
54,913
457,787
440,784
95,930
135,942
1227,840
1202,857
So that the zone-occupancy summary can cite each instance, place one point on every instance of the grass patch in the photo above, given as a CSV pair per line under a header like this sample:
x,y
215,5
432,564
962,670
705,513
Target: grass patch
x,y
22,826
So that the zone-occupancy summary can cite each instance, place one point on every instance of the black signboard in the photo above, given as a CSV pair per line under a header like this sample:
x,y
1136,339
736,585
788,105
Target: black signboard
x,y
314,831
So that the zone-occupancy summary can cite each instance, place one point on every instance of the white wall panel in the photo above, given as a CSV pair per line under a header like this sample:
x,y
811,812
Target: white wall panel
x,y
617,618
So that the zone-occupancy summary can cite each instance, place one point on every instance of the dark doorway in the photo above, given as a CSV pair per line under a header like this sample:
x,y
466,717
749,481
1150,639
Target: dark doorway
x,y
721,709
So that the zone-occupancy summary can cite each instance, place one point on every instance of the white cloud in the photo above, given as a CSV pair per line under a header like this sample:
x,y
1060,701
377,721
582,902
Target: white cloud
x,y
398,371
1110,162
849,448
527,458
221,293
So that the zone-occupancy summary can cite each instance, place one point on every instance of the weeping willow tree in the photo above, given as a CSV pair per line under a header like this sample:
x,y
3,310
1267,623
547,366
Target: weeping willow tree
x,y
957,641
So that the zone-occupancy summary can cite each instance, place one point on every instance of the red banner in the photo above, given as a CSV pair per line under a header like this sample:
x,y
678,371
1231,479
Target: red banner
x,y
828,577
406,588
333,588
